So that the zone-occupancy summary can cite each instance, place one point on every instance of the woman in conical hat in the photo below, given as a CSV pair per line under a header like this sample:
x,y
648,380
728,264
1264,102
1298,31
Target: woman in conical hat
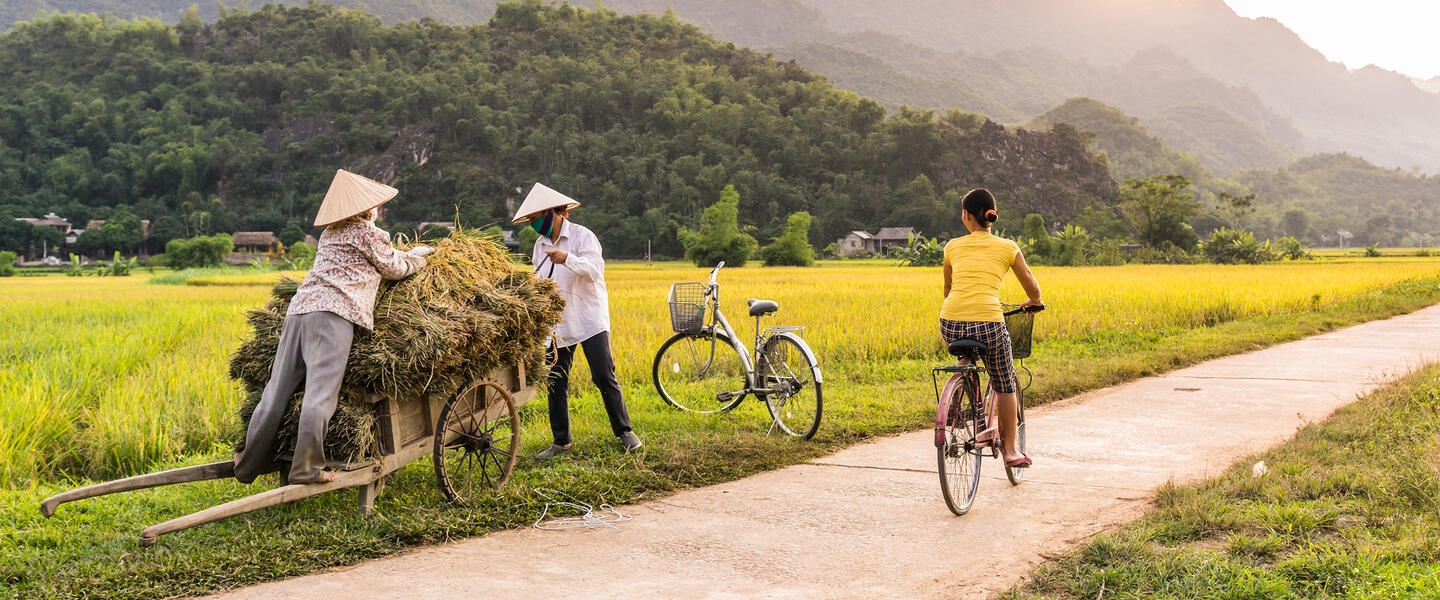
x,y
586,322
337,296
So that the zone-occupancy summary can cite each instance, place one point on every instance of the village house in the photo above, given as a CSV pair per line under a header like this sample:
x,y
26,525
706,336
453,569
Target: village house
x,y
856,243
53,221
97,223
450,225
74,236
860,243
50,220
252,245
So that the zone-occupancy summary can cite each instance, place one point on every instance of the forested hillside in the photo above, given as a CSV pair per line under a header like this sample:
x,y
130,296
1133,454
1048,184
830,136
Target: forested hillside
x,y
1237,93
1344,192
1377,114
1131,150
239,124
1311,199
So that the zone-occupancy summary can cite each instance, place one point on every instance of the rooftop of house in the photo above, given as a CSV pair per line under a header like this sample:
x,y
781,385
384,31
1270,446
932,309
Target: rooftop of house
x,y
255,238
49,220
895,233
97,223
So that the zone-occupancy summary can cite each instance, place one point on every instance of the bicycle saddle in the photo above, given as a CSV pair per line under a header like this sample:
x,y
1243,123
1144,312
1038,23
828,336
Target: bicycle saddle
x,y
760,308
967,347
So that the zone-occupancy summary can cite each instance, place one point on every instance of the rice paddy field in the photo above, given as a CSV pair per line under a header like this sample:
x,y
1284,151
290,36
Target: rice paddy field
x,y
107,377
103,377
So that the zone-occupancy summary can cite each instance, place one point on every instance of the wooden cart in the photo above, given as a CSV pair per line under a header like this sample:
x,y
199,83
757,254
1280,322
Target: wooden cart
x,y
473,438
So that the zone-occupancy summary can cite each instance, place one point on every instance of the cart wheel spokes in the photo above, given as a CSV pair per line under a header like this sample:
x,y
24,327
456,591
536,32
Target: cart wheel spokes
x,y
477,439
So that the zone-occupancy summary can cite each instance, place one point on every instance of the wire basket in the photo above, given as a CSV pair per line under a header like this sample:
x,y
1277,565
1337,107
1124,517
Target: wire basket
x,y
1021,327
687,307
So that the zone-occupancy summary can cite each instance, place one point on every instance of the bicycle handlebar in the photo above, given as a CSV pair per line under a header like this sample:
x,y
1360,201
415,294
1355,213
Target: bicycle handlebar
x,y
714,272
1029,309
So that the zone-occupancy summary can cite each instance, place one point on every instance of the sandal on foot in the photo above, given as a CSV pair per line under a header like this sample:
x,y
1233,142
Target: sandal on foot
x,y
1022,462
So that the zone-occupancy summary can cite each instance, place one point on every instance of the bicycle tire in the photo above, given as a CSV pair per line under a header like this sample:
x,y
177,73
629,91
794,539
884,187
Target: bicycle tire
x,y
1017,474
959,458
784,365
691,370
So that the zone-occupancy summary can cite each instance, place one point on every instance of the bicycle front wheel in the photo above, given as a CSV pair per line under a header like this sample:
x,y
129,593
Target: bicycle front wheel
x,y
698,372
959,457
1017,474
793,393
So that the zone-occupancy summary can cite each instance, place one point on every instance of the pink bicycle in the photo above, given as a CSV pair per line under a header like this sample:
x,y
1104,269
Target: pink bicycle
x,y
963,414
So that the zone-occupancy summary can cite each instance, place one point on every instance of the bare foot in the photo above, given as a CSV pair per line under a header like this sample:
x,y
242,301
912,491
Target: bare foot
x,y
325,477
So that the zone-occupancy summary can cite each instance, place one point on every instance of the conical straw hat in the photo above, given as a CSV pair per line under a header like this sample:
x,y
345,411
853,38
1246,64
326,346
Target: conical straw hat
x,y
350,195
541,199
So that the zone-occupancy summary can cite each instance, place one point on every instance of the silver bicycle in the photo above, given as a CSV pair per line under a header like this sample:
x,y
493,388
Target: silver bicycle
x,y
706,368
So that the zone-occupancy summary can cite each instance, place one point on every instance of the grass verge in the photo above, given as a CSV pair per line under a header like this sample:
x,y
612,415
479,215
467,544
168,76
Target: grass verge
x,y
89,549
250,278
1348,508
183,276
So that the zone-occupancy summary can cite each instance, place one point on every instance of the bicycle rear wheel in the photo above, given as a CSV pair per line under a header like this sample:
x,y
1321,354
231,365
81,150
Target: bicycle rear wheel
x,y
796,403
959,458
693,370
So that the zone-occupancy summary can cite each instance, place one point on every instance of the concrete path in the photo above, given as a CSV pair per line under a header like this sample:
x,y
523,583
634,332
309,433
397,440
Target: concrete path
x,y
869,522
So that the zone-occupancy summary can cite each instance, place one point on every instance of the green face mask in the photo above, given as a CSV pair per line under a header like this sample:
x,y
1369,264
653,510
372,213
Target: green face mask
x,y
542,224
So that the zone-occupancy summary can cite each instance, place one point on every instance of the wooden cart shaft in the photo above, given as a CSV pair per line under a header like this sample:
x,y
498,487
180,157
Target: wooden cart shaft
x,y
407,432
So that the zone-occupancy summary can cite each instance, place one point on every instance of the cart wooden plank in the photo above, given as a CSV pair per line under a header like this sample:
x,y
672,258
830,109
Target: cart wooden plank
x,y
407,428
215,470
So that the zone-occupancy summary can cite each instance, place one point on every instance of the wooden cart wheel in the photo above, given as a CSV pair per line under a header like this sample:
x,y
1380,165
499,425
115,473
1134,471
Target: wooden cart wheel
x,y
477,438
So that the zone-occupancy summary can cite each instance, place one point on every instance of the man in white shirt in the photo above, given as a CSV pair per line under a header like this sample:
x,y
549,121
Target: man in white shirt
x,y
570,254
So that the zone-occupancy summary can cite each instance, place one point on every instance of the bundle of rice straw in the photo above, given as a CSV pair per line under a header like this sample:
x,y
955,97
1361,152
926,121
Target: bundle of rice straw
x,y
468,311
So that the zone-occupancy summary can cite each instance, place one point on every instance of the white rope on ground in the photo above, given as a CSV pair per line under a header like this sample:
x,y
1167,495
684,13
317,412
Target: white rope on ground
x,y
590,516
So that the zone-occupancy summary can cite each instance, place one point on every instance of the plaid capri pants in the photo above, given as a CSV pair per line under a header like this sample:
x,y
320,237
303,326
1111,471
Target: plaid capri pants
x,y
996,358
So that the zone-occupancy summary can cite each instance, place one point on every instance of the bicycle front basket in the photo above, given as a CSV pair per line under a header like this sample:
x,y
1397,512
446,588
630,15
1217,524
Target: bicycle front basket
x,y
687,307
1020,326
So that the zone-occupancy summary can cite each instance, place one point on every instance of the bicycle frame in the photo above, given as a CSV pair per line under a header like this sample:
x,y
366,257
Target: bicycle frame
x,y
968,373
718,320
749,359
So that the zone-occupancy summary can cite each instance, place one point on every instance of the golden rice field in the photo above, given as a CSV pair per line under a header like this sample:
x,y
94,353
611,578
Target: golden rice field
x,y
107,376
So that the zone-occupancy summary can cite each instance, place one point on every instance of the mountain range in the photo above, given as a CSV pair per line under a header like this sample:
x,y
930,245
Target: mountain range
x,y
1182,86
1238,93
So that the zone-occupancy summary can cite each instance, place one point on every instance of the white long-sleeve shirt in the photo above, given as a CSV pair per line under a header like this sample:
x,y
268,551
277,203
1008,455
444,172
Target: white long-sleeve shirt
x,y
581,280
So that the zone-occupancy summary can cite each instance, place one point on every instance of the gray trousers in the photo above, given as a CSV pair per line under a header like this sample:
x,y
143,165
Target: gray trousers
x,y
313,347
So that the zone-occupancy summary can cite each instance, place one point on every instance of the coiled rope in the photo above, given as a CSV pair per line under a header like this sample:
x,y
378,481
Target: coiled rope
x,y
590,516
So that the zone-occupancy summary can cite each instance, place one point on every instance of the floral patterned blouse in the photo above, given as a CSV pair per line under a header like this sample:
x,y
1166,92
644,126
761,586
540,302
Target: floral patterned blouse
x,y
349,262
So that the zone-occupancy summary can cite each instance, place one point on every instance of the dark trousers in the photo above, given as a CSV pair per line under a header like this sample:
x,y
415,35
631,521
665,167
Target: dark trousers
x,y
602,372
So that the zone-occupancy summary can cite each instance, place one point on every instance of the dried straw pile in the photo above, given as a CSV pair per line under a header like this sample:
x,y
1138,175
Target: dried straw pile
x,y
468,311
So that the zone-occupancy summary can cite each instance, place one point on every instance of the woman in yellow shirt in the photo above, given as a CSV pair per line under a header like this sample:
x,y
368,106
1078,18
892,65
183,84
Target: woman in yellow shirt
x,y
974,268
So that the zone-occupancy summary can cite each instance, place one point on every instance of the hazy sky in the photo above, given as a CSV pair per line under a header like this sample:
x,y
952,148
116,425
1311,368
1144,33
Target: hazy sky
x,y
1400,35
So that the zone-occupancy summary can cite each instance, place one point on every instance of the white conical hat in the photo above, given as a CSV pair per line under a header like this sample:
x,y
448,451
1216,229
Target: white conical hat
x,y
350,195
541,199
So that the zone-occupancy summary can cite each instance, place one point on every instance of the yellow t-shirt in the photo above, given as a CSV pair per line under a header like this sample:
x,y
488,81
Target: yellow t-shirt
x,y
978,264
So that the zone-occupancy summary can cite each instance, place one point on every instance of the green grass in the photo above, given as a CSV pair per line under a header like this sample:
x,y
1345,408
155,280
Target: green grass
x,y
89,549
1348,508
183,276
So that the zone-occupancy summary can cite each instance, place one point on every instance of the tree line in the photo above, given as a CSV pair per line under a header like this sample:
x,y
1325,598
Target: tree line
x,y
239,124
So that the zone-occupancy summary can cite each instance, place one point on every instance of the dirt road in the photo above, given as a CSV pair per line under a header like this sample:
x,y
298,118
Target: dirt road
x,y
868,522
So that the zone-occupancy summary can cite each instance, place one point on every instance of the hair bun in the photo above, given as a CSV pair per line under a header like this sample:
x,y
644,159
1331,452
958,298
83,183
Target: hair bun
x,y
991,216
